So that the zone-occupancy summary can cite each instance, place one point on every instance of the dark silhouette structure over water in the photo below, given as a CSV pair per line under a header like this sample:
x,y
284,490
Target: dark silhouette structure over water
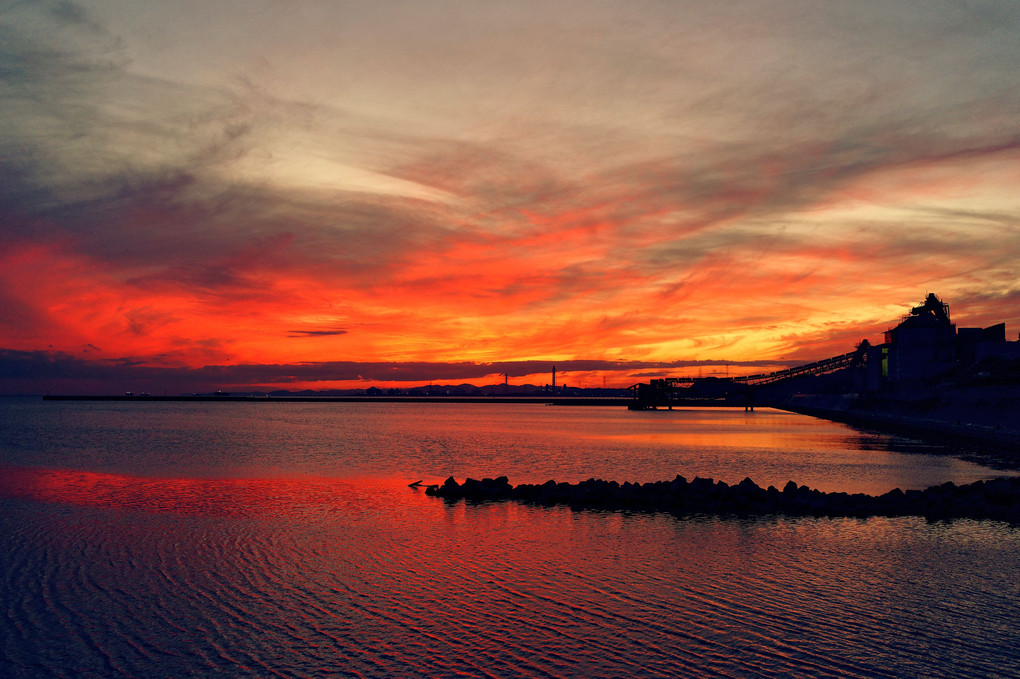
x,y
927,378
919,358
998,499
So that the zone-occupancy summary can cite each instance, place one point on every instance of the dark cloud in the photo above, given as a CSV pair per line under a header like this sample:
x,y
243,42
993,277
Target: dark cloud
x,y
33,372
138,173
316,333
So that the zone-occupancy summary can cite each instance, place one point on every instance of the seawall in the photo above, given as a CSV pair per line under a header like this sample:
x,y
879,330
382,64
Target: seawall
x,y
998,499
989,416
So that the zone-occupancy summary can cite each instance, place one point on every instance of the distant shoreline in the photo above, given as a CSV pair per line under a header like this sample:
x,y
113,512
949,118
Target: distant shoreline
x,y
551,400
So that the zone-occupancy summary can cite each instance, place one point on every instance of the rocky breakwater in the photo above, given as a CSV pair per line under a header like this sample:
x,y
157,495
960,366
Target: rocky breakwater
x,y
997,499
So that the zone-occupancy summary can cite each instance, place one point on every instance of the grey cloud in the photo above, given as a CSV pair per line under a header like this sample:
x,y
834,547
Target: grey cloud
x,y
181,222
32,371
316,333
69,124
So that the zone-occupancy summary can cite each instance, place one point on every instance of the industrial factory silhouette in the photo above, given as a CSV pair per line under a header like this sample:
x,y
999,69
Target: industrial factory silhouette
x,y
927,374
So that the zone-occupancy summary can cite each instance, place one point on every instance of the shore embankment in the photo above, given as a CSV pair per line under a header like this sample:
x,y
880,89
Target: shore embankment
x,y
998,499
987,416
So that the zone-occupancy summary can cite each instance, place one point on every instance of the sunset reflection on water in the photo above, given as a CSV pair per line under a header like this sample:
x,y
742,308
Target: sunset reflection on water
x,y
184,541
235,497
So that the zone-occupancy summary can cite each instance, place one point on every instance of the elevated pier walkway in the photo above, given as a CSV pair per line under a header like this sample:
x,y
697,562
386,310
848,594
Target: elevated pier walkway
x,y
740,391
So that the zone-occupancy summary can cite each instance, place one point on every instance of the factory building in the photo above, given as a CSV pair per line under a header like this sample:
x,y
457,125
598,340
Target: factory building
x,y
926,345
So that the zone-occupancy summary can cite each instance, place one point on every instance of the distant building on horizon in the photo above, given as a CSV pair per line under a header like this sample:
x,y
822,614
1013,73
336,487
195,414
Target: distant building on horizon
x,y
926,345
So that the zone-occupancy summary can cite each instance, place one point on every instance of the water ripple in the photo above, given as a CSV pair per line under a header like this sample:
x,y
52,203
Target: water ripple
x,y
123,576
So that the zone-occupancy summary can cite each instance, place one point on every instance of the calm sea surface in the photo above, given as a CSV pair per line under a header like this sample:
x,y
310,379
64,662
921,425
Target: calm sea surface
x,y
281,540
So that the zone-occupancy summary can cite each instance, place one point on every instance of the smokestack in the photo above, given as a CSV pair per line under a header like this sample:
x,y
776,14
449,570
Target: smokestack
x,y
554,379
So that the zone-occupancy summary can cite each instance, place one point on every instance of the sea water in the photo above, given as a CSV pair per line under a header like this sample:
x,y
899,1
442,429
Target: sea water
x,y
146,539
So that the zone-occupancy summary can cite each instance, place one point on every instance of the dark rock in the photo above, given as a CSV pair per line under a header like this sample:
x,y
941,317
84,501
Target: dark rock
x,y
997,499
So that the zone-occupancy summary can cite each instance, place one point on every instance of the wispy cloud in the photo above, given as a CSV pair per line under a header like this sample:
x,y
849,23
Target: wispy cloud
x,y
317,333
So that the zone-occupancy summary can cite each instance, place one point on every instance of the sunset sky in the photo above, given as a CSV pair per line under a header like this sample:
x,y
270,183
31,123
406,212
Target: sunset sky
x,y
310,194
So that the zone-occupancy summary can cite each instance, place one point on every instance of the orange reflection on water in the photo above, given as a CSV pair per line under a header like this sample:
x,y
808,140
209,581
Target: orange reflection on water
x,y
708,440
209,497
